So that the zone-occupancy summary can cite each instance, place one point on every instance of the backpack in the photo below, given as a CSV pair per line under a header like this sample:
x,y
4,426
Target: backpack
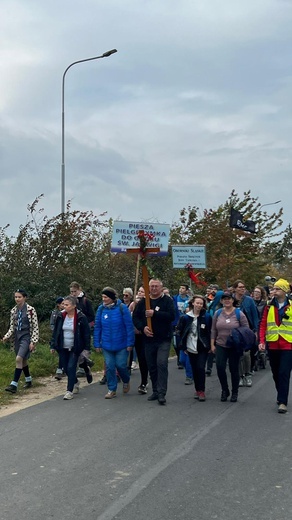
x,y
237,312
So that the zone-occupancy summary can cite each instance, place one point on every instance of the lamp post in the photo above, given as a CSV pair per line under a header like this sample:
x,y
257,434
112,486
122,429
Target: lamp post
x,y
104,55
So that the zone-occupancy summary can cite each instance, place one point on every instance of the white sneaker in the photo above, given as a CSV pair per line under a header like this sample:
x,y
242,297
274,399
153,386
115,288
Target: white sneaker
x,y
134,366
68,396
242,381
76,388
248,380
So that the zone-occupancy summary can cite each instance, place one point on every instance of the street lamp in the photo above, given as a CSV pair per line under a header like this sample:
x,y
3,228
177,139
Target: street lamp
x,y
104,55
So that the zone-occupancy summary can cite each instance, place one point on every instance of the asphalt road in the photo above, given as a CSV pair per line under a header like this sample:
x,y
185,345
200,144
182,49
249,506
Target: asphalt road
x,y
130,459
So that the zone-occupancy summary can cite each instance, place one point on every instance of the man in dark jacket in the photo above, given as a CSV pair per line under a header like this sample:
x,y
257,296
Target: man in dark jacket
x,y
157,342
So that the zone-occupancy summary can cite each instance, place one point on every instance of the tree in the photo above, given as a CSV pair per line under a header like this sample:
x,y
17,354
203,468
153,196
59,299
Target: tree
x,y
231,253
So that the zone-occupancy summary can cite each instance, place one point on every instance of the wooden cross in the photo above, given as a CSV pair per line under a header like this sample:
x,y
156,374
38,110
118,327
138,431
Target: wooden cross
x,y
145,274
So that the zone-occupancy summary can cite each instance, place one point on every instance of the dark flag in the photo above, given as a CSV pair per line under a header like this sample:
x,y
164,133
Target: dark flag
x,y
237,221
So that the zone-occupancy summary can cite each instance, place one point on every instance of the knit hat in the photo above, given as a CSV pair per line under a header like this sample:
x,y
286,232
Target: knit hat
x,y
110,293
283,285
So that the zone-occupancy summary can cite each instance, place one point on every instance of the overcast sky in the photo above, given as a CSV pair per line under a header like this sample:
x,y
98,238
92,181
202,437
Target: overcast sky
x,y
196,102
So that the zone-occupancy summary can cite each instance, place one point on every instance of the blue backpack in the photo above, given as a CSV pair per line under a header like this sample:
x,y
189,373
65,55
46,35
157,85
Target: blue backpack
x,y
237,312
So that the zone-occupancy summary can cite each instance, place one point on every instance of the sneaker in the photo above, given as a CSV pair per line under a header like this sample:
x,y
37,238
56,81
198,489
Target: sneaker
x,y
233,398
189,381
80,372
103,380
110,395
68,396
208,372
89,377
242,381
282,408
142,389
134,366
11,388
180,366
126,388
27,385
224,395
59,374
76,388
196,396
153,397
248,380
202,396
89,362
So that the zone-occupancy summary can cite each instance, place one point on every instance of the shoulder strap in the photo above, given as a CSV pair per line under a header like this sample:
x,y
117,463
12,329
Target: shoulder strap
x,y
121,308
237,312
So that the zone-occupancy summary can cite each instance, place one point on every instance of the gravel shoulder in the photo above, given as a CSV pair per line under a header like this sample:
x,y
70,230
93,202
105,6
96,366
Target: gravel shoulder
x,y
48,388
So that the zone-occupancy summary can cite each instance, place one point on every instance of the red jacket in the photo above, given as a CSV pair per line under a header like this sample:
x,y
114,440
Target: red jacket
x,y
281,343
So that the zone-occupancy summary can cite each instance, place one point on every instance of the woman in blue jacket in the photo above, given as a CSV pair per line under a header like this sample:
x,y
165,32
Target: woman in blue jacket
x,y
114,337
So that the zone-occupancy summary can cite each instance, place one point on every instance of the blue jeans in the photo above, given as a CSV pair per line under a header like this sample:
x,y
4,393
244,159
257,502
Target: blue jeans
x,y
116,360
185,362
68,361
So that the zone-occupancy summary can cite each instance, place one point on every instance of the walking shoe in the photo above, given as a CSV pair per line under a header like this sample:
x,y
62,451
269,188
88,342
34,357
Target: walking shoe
x,y
89,376
233,398
161,399
196,396
11,388
110,395
242,381
126,387
59,374
189,381
80,372
153,397
28,384
142,389
202,396
208,372
103,380
76,388
68,396
89,362
224,395
134,366
180,366
282,408
248,380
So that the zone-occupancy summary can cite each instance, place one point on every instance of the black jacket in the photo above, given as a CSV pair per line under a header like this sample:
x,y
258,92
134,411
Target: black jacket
x,y
204,323
164,314
81,333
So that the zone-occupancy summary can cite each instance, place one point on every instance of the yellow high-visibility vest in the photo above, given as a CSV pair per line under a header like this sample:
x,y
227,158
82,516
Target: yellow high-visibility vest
x,y
284,329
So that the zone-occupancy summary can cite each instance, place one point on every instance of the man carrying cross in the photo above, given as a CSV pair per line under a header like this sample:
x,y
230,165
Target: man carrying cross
x,y
158,340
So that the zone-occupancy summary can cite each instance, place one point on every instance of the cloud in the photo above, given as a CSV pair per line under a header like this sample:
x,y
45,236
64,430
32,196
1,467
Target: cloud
x,y
195,103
